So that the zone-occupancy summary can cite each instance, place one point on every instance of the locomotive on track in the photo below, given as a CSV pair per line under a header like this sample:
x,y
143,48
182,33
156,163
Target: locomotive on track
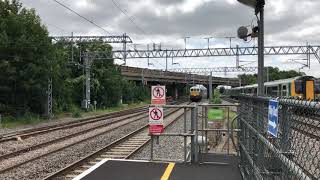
x,y
197,93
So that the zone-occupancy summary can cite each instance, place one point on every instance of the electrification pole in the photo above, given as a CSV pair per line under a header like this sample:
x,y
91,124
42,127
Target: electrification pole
x,y
210,86
230,40
125,49
49,91
49,94
166,60
260,10
208,41
87,66
185,42
237,57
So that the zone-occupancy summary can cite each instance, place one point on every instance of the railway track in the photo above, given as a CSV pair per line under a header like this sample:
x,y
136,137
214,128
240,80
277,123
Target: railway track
x,y
122,148
57,140
23,134
228,99
23,153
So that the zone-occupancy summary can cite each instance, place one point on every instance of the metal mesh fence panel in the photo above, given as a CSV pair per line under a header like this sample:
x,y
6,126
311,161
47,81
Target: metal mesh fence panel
x,y
293,154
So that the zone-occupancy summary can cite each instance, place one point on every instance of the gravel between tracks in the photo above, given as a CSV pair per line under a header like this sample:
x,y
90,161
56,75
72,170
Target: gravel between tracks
x,y
42,167
169,148
49,122
10,146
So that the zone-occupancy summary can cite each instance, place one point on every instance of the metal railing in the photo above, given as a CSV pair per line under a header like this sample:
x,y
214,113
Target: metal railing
x,y
190,130
293,154
228,129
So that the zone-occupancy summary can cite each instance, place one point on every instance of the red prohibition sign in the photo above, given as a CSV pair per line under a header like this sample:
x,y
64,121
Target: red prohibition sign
x,y
155,114
158,92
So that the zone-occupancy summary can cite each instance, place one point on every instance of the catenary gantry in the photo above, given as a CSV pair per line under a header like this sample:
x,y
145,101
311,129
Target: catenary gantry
x,y
208,52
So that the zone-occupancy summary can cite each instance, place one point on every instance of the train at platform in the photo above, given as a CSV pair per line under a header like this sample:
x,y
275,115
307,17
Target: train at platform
x,y
198,92
302,87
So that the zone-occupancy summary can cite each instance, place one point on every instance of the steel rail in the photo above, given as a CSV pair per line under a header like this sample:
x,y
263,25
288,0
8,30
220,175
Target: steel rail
x,y
97,153
64,147
38,146
37,131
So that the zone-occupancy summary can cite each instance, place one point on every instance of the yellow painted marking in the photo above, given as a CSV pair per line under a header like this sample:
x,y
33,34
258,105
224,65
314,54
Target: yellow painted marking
x,y
168,171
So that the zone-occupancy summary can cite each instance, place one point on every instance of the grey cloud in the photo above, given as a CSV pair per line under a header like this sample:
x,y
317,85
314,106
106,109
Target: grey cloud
x,y
216,17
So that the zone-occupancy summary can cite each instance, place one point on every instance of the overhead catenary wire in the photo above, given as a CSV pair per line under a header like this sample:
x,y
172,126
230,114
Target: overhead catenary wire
x,y
134,23
83,17
130,18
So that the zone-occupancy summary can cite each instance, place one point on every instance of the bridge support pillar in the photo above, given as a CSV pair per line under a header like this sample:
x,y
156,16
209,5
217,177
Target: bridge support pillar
x,y
210,86
176,94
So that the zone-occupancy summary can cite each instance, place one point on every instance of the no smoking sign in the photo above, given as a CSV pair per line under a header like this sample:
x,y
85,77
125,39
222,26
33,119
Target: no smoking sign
x,y
158,95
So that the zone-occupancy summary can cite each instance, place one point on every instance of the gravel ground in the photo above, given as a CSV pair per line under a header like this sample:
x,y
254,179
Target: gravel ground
x,y
42,167
11,146
51,163
44,123
38,152
169,148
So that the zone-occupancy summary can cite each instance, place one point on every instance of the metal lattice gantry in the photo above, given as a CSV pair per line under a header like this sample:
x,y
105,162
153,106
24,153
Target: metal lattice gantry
x,y
215,69
209,52
88,39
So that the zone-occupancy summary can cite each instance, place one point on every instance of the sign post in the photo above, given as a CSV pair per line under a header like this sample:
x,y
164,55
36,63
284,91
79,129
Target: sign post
x,y
273,118
158,95
155,120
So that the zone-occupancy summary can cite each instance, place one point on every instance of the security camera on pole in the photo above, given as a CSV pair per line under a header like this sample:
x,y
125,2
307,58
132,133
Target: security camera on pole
x,y
258,5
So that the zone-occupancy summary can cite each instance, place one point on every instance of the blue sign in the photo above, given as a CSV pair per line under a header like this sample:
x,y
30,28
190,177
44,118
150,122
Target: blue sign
x,y
273,118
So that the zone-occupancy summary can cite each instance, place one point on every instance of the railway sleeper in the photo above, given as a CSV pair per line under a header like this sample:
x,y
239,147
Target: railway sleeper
x,y
70,176
113,156
93,162
117,153
141,140
135,143
122,150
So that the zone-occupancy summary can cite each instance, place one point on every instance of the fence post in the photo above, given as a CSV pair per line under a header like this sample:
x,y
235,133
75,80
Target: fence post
x,y
285,139
194,139
151,148
185,131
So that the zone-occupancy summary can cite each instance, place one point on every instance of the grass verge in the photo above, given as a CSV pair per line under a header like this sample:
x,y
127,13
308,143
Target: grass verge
x,y
32,119
215,114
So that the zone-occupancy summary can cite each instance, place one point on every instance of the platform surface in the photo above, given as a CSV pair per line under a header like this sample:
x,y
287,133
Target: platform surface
x,y
143,170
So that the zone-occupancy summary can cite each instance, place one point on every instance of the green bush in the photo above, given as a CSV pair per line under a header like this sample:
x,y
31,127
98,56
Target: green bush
x,y
216,101
75,111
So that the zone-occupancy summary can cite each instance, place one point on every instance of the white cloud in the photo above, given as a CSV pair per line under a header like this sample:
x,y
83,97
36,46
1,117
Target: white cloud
x,y
287,22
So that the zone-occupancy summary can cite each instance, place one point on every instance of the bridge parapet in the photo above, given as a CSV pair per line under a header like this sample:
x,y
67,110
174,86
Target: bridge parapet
x,y
144,74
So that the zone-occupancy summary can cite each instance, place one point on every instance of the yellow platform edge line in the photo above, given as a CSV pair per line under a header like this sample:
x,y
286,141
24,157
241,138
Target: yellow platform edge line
x,y
168,171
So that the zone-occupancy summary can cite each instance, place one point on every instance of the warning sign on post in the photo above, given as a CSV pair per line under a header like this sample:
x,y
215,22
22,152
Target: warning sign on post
x,y
158,95
155,115
155,120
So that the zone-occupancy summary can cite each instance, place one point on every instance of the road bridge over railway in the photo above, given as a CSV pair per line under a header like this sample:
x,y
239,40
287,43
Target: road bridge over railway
x,y
160,76
177,83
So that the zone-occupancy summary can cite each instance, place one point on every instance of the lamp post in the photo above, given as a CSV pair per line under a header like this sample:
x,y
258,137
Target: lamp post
x,y
259,9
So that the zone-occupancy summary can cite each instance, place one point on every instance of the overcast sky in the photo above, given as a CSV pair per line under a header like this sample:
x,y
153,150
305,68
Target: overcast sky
x,y
287,22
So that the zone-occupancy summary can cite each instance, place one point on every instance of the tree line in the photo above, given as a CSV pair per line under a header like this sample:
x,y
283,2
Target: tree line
x,y
270,74
28,58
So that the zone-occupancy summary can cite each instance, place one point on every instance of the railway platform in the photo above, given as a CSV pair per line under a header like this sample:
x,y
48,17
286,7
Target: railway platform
x,y
221,167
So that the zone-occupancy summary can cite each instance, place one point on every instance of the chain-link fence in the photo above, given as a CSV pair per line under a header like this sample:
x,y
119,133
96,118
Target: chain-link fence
x,y
294,154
